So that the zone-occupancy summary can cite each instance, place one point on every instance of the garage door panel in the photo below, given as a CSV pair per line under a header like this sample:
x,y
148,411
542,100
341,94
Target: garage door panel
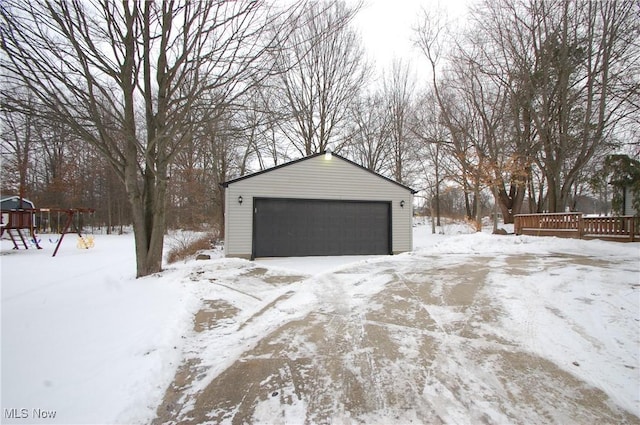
x,y
300,227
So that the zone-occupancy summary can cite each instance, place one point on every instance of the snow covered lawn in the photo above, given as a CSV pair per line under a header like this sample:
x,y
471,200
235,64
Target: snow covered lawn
x,y
467,328
82,337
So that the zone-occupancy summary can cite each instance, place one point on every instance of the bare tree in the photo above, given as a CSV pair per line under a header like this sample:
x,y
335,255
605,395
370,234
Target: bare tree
x,y
569,66
126,78
534,93
369,136
17,145
323,70
399,88
432,33
432,139
503,156
227,151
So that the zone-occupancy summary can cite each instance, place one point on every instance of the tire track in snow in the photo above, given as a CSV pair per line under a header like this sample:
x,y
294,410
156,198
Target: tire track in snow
x,y
364,354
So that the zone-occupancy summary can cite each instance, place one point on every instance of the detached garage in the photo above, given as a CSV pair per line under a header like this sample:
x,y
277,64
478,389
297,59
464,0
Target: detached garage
x,y
323,204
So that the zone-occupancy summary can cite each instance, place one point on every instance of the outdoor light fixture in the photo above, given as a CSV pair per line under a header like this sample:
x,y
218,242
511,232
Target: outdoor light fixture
x,y
401,204
240,199
327,154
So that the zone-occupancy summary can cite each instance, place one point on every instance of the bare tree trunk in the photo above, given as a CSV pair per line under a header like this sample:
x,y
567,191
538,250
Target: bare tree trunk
x,y
162,60
398,91
17,142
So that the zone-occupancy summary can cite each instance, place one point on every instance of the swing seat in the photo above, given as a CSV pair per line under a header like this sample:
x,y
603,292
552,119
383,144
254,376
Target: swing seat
x,y
85,242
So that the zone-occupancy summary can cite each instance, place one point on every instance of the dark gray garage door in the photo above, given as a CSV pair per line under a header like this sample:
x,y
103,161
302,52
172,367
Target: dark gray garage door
x,y
303,227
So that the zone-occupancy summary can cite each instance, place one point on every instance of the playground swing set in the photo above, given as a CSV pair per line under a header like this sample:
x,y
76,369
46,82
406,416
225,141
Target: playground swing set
x,y
15,221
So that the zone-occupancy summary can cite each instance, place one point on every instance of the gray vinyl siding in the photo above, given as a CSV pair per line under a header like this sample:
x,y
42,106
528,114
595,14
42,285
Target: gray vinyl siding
x,y
314,178
628,202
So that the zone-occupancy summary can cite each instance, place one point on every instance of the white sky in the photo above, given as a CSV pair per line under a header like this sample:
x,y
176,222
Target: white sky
x,y
386,27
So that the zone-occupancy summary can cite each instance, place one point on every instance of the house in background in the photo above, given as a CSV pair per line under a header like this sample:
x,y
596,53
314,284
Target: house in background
x,y
625,178
320,205
629,198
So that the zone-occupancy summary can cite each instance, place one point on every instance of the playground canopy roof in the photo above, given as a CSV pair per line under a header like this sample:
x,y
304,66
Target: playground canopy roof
x,y
13,203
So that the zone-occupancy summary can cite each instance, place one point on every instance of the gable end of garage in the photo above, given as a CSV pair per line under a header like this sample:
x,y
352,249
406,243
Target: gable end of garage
x,y
347,197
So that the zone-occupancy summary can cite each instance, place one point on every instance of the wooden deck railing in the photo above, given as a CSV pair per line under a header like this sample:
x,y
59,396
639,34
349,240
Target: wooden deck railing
x,y
575,225
625,227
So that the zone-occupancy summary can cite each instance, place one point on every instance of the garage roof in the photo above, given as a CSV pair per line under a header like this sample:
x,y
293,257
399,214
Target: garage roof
x,y
248,176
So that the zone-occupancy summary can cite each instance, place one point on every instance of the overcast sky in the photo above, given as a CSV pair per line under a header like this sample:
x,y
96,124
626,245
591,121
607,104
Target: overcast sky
x,y
386,28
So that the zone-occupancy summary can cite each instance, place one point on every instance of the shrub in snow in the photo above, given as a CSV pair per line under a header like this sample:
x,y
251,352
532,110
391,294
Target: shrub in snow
x,y
186,244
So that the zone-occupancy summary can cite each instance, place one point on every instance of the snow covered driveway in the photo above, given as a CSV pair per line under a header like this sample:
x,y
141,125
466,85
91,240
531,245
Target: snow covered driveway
x,y
472,328
466,329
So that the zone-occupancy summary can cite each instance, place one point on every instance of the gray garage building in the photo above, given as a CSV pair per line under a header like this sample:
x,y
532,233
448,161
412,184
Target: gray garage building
x,y
323,204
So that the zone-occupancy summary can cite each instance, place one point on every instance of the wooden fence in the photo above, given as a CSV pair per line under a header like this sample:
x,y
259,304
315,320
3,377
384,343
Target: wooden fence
x,y
576,225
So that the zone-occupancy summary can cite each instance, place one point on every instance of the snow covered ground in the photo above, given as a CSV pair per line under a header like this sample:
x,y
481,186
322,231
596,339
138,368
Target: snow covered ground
x,y
468,327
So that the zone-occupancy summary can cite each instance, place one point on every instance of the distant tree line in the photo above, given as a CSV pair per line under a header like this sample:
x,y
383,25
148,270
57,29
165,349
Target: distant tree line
x,y
141,109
